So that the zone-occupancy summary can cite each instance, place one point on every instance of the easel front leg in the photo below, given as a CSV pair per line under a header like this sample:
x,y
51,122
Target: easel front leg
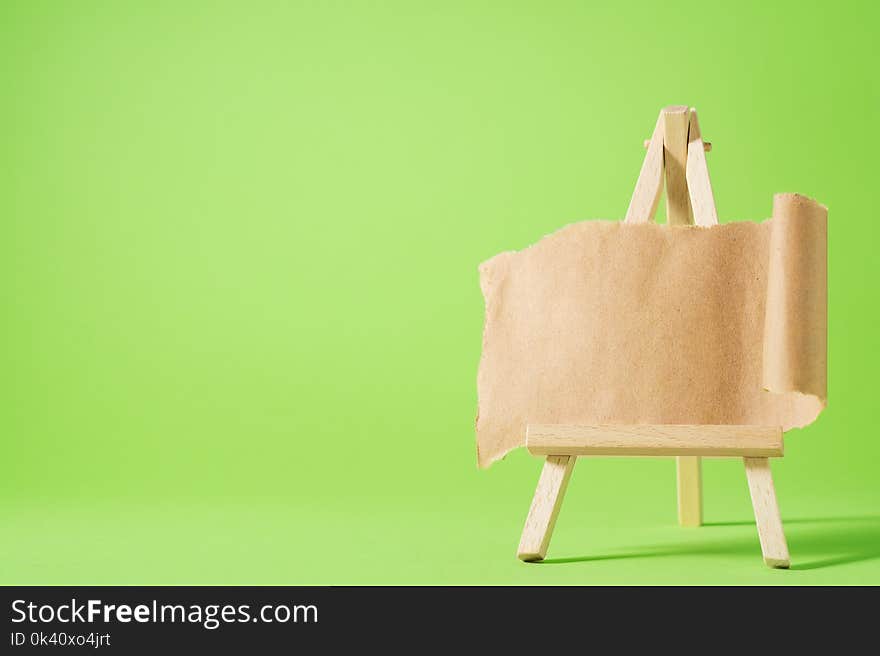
x,y
545,507
690,490
770,533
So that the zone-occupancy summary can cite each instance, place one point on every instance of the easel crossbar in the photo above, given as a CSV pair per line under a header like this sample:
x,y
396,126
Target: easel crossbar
x,y
708,440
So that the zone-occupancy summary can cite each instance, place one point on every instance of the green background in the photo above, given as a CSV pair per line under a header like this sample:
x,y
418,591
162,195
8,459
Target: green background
x,y
238,266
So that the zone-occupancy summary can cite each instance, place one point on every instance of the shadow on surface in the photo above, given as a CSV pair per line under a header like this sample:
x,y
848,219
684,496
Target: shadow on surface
x,y
847,539
800,520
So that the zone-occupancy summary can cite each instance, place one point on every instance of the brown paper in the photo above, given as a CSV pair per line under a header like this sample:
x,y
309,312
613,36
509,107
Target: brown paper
x,y
614,323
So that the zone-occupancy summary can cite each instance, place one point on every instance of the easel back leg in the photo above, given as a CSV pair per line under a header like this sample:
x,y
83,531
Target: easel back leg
x,y
689,475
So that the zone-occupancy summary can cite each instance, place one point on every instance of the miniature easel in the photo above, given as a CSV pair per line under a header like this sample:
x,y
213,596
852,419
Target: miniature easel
x,y
676,151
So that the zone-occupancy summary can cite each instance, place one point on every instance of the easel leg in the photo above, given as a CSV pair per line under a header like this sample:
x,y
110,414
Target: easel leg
x,y
690,490
545,507
770,533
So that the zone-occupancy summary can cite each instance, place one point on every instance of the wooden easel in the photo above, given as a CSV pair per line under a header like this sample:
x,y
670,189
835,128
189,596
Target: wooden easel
x,y
676,152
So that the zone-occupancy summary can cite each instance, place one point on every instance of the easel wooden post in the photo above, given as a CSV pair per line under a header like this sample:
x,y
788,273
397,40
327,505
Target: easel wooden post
x,y
675,152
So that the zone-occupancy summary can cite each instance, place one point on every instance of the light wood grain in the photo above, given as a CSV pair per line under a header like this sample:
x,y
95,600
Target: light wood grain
x,y
689,479
675,153
697,174
545,507
770,533
654,440
646,195
707,145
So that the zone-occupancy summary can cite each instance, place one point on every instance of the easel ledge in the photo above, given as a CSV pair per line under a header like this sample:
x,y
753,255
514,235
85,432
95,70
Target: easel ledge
x,y
655,440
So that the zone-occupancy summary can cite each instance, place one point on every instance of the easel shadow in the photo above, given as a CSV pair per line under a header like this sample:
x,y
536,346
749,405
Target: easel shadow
x,y
855,539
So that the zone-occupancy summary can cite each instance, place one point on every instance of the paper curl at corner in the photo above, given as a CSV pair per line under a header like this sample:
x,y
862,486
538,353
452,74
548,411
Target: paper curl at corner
x,y
612,323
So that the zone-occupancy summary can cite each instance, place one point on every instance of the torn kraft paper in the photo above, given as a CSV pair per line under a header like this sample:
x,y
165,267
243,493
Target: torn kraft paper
x,y
611,323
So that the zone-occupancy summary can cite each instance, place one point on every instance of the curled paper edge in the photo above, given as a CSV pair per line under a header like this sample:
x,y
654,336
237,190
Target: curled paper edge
x,y
795,326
